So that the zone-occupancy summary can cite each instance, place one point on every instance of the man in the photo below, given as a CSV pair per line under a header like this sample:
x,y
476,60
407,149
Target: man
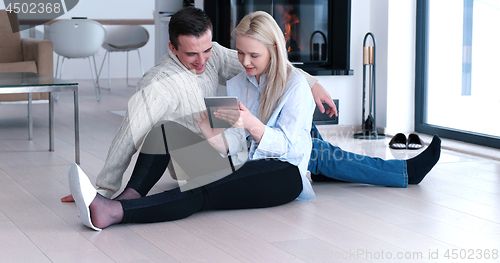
x,y
174,90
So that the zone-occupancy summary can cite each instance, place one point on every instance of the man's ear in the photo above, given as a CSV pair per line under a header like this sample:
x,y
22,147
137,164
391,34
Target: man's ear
x,y
172,48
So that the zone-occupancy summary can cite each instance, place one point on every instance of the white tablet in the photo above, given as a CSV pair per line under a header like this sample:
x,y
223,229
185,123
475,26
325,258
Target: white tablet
x,y
214,103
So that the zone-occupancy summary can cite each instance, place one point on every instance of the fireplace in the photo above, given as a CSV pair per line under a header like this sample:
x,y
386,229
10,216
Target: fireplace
x,y
317,32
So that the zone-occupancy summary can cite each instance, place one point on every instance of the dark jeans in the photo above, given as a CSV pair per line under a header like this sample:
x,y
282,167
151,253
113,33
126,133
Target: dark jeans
x,y
257,184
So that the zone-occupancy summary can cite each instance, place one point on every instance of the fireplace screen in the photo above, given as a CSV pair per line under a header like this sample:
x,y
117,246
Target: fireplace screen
x,y
303,22
317,32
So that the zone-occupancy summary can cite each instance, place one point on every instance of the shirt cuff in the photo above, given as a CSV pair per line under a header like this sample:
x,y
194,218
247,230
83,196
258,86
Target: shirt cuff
x,y
268,145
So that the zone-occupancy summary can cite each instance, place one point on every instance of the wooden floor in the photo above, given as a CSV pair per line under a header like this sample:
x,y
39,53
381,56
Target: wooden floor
x,y
452,215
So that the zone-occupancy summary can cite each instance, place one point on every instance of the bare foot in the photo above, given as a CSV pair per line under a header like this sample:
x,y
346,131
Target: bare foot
x,y
128,193
105,212
68,198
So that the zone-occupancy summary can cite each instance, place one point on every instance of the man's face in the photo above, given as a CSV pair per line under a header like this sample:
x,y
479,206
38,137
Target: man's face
x,y
193,52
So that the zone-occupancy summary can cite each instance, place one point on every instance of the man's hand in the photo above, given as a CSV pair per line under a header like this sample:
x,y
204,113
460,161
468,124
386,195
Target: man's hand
x,y
321,95
213,136
68,198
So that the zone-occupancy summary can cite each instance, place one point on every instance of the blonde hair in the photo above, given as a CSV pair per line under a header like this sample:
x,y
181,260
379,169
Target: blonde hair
x,y
262,27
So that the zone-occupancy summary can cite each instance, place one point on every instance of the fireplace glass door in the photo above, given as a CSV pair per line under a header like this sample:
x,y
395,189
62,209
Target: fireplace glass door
x,y
304,24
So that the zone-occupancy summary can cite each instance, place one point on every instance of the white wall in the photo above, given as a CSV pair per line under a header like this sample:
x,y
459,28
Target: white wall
x,y
392,22
378,27
348,89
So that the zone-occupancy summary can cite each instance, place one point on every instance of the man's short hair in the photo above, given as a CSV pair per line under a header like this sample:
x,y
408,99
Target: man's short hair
x,y
189,21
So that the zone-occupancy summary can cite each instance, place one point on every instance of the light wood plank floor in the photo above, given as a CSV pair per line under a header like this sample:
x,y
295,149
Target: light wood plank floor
x,y
454,212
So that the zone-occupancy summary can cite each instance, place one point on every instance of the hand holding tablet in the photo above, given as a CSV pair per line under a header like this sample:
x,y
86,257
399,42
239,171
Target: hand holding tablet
x,y
215,103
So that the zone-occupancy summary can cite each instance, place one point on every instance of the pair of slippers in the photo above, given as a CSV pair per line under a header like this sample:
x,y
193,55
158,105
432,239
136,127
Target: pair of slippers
x,y
399,142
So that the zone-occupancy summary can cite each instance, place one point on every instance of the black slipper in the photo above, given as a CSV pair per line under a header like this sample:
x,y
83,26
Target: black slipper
x,y
414,142
398,142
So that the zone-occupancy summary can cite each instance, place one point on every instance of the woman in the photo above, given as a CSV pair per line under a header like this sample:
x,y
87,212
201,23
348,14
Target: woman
x,y
276,108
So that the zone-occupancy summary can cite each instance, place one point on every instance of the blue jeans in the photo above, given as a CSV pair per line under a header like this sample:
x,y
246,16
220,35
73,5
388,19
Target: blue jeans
x,y
333,162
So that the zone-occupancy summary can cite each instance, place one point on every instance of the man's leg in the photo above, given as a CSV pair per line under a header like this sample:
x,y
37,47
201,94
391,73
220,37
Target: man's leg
x,y
315,132
184,146
150,166
148,169
328,161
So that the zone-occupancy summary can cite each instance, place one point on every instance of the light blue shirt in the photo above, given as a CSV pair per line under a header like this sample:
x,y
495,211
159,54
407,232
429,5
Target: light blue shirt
x,y
287,132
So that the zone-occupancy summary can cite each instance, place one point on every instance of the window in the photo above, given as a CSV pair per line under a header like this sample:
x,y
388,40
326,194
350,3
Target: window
x,y
458,61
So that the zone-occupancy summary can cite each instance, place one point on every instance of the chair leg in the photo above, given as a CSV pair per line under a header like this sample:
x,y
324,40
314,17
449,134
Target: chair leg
x,y
107,54
102,64
140,63
127,72
96,88
55,76
62,66
30,116
60,73
57,66
109,70
95,67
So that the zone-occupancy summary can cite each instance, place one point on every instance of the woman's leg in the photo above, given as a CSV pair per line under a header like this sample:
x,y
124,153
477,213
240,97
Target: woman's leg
x,y
261,183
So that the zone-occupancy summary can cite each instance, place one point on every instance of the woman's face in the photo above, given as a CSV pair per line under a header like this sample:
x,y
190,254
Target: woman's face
x,y
253,55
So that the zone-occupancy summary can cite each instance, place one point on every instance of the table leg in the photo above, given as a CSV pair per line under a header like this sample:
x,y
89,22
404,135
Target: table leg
x,y
30,117
51,121
77,128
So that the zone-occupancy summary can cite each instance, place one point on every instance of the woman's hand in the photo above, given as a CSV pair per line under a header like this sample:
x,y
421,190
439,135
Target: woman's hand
x,y
242,119
214,136
231,116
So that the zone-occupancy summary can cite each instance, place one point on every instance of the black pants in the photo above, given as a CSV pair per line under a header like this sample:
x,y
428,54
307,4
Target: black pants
x,y
257,184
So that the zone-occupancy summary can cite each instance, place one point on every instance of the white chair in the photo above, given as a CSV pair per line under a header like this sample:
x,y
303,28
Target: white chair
x,y
123,38
77,38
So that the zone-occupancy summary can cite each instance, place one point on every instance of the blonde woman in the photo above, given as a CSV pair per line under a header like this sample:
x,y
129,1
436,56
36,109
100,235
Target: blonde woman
x,y
275,113
272,124
270,79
